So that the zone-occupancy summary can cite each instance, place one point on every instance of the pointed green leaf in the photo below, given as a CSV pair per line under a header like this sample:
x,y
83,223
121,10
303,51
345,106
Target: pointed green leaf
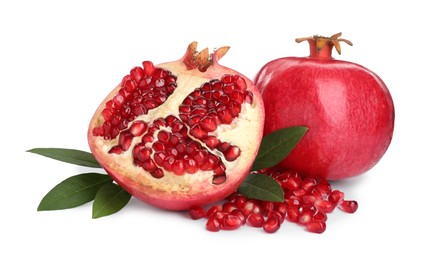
x,y
277,145
110,199
261,187
68,155
74,191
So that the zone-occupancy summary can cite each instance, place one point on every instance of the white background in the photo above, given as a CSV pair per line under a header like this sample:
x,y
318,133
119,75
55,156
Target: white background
x,y
58,59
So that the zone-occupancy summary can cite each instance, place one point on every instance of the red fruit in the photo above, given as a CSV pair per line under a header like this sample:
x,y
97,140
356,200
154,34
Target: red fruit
x,y
231,222
324,205
271,225
197,213
347,108
213,224
255,220
336,197
316,227
179,134
349,206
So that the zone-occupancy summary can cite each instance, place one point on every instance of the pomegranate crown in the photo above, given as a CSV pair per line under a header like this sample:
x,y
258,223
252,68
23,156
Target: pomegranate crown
x,y
203,59
320,41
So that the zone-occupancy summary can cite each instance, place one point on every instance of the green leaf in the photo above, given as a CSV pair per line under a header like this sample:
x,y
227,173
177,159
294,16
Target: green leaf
x,y
74,191
261,187
277,145
110,199
68,155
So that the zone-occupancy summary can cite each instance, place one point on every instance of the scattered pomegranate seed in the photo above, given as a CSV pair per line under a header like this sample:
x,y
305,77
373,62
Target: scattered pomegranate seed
x,y
197,213
349,206
271,225
307,203
255,220
316,227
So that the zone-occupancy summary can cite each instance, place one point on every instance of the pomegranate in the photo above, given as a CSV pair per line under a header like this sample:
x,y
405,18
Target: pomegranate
x,y
307,203
347,108
179,134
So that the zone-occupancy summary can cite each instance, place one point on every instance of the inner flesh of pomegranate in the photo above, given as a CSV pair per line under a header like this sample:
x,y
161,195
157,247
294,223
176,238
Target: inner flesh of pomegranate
x,y
182,143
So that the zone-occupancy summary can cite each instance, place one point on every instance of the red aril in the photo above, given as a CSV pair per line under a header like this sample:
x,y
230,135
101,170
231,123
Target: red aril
x,y
180,134
349,206
310,213
347,108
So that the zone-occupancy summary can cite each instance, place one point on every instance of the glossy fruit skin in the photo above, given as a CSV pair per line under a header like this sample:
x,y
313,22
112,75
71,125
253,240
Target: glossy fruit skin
x,y
347,108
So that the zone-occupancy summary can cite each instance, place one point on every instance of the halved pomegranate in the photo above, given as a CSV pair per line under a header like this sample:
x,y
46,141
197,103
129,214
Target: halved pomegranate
x,y
179,134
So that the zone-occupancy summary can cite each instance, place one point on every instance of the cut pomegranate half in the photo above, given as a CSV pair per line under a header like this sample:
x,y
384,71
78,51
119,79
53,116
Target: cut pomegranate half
x,y
179,134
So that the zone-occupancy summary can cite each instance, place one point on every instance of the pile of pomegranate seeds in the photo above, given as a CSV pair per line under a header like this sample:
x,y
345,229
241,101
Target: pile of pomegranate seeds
x,y
306,202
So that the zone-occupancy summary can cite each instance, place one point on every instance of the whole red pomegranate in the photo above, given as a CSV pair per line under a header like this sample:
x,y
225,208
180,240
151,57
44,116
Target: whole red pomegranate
x,y
179,134
347,108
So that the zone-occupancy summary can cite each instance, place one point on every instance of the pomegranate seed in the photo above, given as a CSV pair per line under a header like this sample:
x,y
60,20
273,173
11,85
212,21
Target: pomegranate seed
x,y
316,227
125,140
213,224
248,207
255,220
208,124
190,166
147,138
305,217
149,165
234,109
168,162
240,200
320,216
220,168
277,215
98,131
232,153
197,212
225,116
349,206
336,197
198,132
178,167
211,142
308,200
219,179
240,215
271,225
222,147
142,154
267,206
293,213
107,114
212,210
324,205
228,207
280,208
116,150
139,109
240,83
163,136
293,182
237,96
231,222
158,173
149,68
137,73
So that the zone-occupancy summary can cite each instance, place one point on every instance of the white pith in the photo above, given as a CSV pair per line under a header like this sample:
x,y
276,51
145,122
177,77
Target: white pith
x,y
242,132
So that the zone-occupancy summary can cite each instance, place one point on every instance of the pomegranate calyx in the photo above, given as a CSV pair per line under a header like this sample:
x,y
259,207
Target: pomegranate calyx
x,y
202,60
321,47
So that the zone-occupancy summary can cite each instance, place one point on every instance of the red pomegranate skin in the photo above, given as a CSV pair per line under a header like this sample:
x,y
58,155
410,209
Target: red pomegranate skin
x,y
347,108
